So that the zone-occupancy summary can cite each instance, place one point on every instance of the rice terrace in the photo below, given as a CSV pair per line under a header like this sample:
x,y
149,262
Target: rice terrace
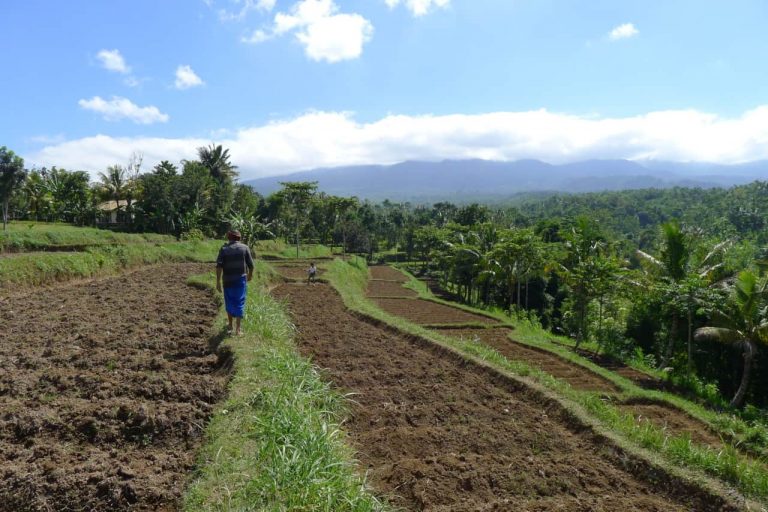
x,y
383,256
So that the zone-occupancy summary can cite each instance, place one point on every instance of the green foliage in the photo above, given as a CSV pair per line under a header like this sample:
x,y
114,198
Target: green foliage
x,y
12,177
41,236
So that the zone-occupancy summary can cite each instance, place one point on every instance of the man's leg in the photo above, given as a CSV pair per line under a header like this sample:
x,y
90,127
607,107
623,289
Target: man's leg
x,y
237,325
229,319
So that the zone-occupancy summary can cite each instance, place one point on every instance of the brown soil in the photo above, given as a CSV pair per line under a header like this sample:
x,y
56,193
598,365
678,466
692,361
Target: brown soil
x,y
387,273
577,376
295,272
437,434
388,289
105,388
676,422
428,312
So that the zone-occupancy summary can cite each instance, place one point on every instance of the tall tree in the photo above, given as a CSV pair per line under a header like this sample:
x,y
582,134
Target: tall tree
x,y
297,197
744,324
113,184
12,176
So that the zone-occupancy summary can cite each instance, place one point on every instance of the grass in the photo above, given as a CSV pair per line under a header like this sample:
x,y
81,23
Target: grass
x,y
26,270
275,444
727,464
41,236
279,249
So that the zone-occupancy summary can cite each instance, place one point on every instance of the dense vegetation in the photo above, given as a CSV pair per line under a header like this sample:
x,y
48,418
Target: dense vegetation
x,y
672,280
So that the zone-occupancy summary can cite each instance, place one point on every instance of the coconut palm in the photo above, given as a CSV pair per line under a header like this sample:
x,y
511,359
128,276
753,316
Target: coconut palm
x,y
745,323
216,160
114,183
681,279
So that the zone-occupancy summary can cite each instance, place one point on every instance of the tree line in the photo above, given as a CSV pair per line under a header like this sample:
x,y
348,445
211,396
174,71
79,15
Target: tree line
x,y
673,279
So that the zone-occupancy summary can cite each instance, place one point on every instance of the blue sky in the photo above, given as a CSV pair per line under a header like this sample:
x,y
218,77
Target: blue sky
x,y
296,84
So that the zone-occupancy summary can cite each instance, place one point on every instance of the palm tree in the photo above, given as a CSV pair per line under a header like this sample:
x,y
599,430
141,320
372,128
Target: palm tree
x,y
681,279
745,323
216,160
114,183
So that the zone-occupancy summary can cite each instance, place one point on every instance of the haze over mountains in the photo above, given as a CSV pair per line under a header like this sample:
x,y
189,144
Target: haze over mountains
x,y
477,179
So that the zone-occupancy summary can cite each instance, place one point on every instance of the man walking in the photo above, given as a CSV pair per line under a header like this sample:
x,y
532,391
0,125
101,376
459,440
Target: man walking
x,y
234,268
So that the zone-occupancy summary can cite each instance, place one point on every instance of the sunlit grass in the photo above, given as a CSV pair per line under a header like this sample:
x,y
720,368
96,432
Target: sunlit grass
x,y
275,443
41,236
27,270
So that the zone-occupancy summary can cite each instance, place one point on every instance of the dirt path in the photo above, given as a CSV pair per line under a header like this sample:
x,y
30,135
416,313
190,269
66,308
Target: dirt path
x,y
426,312
440,436
105,388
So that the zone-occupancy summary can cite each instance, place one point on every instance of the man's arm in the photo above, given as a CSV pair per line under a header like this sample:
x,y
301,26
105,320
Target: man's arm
x,y
249,263
219,271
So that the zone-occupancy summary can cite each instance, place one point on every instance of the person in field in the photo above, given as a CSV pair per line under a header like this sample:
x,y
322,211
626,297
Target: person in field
x,y
311,273
234,268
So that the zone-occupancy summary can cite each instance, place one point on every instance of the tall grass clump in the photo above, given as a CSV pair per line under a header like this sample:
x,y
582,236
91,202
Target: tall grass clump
x,y
275,443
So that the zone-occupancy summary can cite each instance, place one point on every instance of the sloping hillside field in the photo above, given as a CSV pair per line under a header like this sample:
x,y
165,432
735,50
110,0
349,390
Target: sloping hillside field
x,y
105,388
438,433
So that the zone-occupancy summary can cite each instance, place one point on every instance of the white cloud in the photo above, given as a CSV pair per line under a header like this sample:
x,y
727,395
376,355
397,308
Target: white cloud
x,y
112,60
326,139
122,108
418,7
624,31
256,37
244,8
186,78
326,34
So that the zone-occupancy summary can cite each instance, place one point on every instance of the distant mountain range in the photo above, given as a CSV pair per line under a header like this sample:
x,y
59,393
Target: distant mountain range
x,y
459,180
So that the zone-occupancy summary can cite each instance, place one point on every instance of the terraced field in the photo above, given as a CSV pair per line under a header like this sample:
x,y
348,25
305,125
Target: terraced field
x,y
105,389
435,432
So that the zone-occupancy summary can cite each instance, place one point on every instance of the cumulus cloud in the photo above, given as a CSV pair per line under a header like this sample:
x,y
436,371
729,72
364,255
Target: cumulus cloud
x,y
418,7
327,139
324,32
624,31
119,108
244,7
186,78
112,60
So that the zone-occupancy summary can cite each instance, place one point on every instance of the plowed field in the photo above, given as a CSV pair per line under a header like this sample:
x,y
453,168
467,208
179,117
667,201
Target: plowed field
x,y
387,273
427,312
105,388
378,288
437,434
295,272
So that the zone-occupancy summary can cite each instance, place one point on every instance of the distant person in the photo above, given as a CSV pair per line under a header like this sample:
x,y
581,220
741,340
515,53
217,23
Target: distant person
x,y
234,268
311,273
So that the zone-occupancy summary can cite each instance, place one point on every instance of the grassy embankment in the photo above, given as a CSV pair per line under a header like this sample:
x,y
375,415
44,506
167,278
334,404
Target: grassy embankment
x,y
725,464
275,442
279,249
43,236
25,270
